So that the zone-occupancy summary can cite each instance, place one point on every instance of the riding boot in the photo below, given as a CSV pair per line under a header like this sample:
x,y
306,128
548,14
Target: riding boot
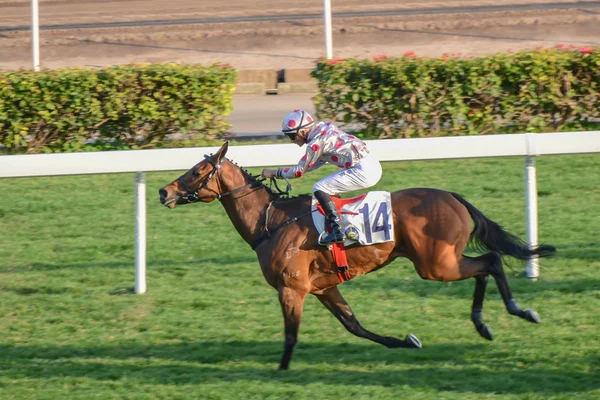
x,y
333,219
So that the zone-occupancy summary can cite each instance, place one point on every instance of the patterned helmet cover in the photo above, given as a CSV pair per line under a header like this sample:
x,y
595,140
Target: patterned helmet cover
x,y
295,121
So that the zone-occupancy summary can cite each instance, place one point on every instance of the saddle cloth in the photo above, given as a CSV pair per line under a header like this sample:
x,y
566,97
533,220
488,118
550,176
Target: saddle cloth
x,y
366,219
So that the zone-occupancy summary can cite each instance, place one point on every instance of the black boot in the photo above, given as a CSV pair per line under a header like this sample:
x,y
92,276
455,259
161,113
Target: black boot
x,y
333,219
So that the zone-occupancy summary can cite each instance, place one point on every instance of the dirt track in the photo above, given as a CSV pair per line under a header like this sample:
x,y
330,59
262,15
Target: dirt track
x,y
283,44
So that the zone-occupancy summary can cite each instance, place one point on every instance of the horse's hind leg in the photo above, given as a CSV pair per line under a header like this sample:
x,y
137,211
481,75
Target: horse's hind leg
x,y
333,300
480,268
477,307
512,307
477,267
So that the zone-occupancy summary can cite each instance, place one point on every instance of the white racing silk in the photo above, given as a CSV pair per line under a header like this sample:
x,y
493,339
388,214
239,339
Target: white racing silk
x,y
327,144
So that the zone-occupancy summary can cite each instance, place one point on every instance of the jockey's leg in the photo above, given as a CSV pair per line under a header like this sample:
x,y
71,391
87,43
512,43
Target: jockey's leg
x,y
363,175
333,219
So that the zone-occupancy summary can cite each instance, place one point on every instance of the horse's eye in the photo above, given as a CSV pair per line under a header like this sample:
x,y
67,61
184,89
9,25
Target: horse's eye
x,y
196,174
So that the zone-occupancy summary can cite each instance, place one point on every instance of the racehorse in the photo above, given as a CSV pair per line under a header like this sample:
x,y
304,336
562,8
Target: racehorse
x,y
432,228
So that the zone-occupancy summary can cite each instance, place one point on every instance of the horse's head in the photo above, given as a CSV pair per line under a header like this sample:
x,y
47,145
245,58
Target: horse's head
x,y
197,184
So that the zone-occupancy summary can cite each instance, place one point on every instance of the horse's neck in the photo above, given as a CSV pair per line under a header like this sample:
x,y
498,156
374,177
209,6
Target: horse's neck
x,y
246,208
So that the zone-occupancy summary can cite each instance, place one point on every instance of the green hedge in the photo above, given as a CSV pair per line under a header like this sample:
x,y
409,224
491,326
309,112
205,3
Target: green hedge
x,y
544,90
133,106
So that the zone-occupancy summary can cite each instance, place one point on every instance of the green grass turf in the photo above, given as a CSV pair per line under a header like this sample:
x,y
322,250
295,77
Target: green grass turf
x,y
209,327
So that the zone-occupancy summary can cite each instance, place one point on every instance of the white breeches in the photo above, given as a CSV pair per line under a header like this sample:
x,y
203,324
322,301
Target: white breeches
x,y
364,174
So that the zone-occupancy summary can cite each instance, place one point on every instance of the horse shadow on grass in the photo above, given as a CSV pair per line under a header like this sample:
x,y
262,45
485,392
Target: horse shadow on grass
x,y
223,260
439,367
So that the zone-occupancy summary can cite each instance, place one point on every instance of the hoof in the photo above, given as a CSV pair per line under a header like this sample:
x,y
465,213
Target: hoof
x,y
532,316
485,331
412,341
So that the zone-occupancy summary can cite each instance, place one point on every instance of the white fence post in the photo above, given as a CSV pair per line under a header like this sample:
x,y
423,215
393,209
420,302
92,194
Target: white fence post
x,y
140,233
328,35
35,35
533,265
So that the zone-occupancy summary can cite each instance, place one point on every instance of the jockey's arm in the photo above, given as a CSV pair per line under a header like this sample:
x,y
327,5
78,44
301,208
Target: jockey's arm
x,y
318,164
268,173
309,162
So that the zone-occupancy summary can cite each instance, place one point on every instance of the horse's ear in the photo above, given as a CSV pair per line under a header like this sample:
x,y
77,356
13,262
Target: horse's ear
x,y
222,151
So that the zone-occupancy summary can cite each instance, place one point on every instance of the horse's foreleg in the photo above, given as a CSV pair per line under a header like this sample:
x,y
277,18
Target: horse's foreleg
x,y
332,299
292,304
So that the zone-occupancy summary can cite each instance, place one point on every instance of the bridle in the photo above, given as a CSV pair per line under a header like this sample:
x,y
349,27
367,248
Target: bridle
x,y
192,196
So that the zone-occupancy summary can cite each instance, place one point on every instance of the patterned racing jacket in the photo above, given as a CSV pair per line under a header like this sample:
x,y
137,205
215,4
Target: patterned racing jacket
x,y
327,144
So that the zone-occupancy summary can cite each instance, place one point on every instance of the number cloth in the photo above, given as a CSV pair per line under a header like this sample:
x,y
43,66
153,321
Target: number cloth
x,y
370,214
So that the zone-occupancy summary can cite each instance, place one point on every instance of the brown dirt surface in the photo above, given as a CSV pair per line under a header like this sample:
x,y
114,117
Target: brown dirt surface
x,y
288,43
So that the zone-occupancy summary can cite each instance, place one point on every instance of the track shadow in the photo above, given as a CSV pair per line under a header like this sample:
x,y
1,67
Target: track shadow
x,y
204,51
222,362
479,36
224,260
580,251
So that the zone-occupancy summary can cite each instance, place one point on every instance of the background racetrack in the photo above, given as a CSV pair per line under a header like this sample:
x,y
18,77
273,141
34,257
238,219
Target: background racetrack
x,y
110,32
210,327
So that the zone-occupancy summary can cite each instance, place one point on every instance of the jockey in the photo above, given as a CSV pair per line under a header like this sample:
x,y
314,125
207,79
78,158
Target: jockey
x,y
326,143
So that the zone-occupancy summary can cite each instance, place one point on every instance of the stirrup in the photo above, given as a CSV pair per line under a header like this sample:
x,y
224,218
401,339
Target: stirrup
x,y
325,234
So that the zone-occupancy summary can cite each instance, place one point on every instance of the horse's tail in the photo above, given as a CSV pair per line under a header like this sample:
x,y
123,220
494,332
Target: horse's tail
x,y
489,235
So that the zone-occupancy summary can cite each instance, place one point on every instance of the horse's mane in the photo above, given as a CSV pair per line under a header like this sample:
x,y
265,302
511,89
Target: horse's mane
x,y
256,178
300,196
251,178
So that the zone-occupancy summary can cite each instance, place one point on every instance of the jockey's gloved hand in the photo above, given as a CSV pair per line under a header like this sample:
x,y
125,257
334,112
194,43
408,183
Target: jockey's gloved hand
x,y
268,173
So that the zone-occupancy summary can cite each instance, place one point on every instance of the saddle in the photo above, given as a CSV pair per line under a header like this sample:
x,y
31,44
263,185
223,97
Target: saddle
x,y
365,219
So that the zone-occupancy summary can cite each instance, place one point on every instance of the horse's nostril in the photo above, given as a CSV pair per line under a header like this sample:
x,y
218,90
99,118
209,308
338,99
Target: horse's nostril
x,y
163,194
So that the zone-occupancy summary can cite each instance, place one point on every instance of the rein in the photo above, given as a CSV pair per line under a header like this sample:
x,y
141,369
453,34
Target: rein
x,y
193,197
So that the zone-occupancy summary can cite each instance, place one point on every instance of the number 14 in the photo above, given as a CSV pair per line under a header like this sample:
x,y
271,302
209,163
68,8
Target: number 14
x,y
381,213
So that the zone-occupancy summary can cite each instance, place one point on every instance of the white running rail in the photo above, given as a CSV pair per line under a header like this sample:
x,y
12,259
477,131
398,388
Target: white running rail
x,y
526,145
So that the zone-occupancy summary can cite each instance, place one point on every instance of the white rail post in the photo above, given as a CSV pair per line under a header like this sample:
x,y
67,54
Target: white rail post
x,y
533,265
140,233
35,35
328,35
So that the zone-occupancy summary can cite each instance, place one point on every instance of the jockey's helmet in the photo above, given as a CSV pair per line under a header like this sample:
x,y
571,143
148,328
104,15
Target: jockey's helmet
x,y
295,121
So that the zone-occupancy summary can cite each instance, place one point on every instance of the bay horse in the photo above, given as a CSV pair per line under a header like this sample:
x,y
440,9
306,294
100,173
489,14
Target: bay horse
x,y
432,228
